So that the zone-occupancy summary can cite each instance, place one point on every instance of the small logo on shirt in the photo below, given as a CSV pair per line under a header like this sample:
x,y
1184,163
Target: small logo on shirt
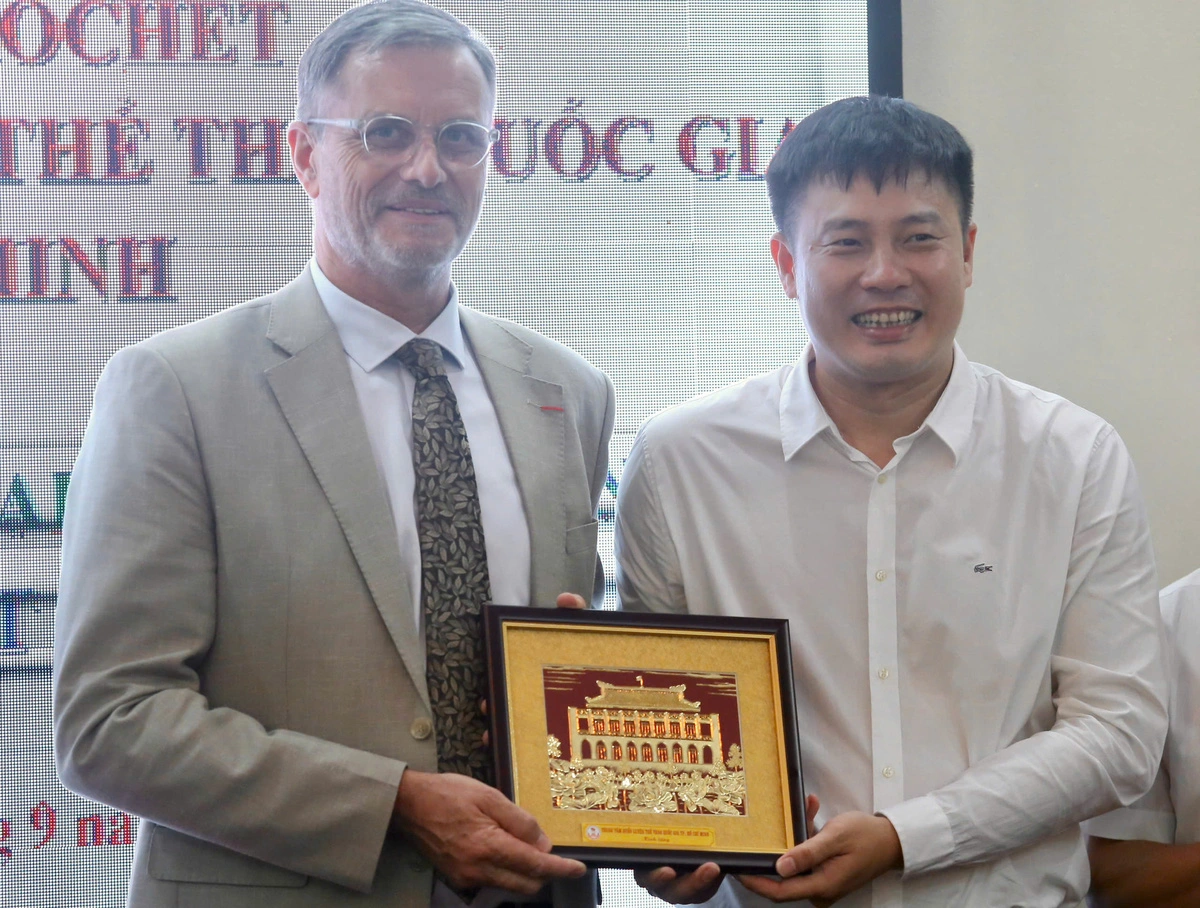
x,y
982,568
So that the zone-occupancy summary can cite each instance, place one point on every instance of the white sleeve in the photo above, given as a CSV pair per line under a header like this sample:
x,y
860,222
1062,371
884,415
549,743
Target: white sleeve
x,y
1109,693
1150,818
648,572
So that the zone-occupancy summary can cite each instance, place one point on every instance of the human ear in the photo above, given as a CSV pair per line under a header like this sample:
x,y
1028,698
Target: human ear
x,y
785,263
969,255
303,148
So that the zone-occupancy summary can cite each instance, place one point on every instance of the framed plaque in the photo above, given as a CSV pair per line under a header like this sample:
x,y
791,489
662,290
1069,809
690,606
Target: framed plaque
x,y
641,739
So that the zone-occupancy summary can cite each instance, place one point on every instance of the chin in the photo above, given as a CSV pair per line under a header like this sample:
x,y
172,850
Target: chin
x,y
893,369
385,255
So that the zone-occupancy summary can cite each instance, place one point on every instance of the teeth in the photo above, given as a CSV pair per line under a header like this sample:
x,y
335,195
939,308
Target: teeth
x,y
885,319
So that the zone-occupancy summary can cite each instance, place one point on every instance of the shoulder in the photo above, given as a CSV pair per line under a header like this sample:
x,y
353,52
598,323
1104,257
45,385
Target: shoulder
x,y
1038,417
216,358
213,333
1181,608
217,337
240,337
548,359
543,351
750,406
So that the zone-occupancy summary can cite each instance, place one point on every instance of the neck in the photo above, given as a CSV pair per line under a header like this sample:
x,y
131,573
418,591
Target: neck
x,y
871,417
413,298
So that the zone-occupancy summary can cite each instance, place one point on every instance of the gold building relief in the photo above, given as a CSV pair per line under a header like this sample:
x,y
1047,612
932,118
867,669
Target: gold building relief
x,y
645,750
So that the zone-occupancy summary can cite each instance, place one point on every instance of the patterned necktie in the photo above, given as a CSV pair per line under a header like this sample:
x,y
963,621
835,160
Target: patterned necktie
x,y
454,573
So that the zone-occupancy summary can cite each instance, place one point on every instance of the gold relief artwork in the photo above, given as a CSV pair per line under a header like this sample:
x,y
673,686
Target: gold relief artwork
x,y
644,747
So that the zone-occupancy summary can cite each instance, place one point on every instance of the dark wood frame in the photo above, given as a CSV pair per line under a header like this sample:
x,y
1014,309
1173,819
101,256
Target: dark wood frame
x,y
494,619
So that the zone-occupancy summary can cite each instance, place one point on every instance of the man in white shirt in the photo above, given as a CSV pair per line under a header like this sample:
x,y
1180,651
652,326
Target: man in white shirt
x,y
1148,855
964,559
285,518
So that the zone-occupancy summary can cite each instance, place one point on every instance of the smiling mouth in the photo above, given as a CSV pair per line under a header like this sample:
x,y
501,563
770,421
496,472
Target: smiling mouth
x,y
896,319
411,209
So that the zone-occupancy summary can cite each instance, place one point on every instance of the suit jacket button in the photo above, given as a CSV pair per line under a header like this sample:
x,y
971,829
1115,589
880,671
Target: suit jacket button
x,y
421,728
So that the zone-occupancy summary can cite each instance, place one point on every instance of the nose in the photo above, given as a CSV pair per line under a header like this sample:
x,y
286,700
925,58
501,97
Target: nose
x,y
884,270
422,165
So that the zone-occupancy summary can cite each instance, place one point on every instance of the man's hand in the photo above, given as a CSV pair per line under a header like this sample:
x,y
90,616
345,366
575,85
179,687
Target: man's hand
x,y
570,600
850,850
475,836
1144,874
698,886
702,883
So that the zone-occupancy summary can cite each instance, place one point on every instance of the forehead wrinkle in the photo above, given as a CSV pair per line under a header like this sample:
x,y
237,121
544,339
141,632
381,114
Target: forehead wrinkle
x,y
365,68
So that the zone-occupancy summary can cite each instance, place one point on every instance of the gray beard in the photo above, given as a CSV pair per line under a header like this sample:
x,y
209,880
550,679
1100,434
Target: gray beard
x,y
398,265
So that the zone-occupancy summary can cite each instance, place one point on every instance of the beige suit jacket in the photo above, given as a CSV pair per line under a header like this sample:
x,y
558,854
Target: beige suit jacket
x,y
237,657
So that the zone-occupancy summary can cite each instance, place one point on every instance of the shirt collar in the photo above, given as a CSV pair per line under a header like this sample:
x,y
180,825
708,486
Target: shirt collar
x,y
370,338
954,413
802,416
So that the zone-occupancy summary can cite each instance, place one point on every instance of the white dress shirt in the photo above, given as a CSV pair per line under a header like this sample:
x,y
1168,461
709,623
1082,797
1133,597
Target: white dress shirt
x,y
1170,811
974,627
385,394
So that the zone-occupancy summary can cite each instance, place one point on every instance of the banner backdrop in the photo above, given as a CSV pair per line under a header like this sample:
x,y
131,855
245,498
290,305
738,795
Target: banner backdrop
x,y
145,182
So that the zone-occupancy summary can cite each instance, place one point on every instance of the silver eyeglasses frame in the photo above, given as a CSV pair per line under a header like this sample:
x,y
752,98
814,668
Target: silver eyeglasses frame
x,y
362,124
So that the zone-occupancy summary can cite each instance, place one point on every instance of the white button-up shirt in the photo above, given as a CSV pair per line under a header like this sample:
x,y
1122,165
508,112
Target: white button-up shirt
x,y
385,393
974,627
1170,811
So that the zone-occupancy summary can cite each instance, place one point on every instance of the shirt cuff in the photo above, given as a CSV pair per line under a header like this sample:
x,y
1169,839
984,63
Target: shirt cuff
x,y
1133,823
923,828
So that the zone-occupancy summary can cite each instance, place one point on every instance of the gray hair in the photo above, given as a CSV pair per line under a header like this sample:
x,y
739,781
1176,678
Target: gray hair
x,y
377,25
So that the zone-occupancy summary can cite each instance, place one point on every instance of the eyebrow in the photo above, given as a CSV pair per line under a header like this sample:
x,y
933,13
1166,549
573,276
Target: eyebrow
x,y
922,217
385,113
916,218
843,224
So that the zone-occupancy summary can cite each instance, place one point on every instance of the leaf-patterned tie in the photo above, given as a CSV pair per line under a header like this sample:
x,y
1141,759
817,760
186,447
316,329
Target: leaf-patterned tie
x,y
454,572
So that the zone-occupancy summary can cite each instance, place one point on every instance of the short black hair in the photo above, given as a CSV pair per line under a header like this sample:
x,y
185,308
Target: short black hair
x,y
880,138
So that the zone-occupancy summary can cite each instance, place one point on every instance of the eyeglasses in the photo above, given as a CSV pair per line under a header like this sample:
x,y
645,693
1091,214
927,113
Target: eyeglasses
x,y
459,143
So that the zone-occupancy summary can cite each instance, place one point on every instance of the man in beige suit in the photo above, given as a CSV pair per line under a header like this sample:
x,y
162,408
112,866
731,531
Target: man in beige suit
x,y
244,602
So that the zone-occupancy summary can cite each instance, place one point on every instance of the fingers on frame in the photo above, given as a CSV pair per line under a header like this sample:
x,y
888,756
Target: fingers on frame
x,y
776,890
520,824
501,878
528,860
668,884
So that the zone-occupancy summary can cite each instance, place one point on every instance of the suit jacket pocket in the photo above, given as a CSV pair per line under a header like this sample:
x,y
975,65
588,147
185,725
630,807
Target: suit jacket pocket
x,y
582,538
180,858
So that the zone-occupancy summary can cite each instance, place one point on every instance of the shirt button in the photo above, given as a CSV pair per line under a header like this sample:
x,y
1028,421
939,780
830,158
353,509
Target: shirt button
x,y
882,478
884,674
881,576
888,772
421,728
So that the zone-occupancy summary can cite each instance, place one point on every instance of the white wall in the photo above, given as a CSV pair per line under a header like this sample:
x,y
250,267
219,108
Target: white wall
x,y
1085,120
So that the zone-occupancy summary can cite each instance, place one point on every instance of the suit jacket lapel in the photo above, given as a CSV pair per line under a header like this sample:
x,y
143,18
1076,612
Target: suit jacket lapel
x,y
315,392
532,420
